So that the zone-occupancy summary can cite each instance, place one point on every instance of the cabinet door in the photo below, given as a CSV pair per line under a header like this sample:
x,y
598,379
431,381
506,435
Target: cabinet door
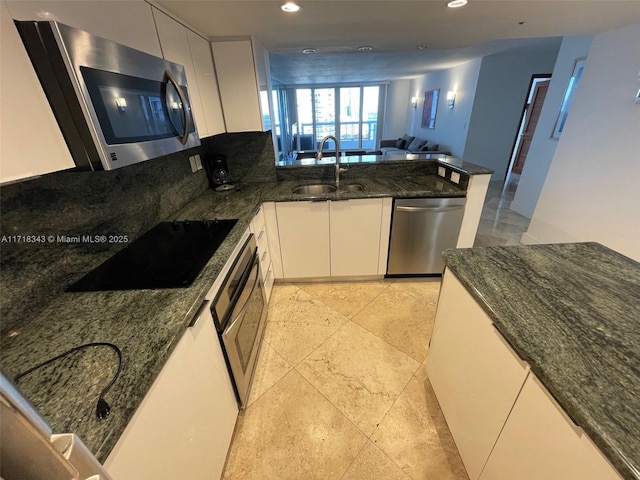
x,y
207,84
238,85
25,114
128,22
184,425
540,442
475,375
175,48
355,236
304,239
273,238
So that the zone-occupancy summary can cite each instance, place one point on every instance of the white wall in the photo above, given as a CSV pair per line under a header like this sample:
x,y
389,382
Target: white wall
x,y
592,189
500,96
543,146
451,124
397,110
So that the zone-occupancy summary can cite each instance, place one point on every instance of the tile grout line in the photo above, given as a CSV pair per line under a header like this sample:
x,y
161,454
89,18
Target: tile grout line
x,y
355,458
353,314
385,416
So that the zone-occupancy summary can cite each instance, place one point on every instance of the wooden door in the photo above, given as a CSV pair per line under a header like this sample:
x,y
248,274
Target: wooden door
x,y
531,121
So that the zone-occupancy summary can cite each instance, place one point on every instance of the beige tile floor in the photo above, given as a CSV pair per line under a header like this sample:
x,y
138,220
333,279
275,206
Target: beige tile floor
x,y
341,389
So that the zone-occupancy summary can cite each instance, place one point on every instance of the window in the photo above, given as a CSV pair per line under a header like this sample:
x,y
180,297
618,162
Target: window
x,y
348,112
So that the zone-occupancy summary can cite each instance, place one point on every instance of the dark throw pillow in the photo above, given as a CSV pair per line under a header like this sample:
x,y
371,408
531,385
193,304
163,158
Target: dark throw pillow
x,y
400,143
433,147
407,140
415,145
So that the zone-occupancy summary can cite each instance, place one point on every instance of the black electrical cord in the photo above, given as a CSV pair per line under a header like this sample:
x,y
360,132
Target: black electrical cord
x,y
102,408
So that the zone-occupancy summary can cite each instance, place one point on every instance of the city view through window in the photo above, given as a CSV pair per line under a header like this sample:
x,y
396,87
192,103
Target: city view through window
x,y
351,111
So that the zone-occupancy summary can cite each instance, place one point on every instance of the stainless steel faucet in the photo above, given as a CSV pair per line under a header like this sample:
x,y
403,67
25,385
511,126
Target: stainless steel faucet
x,y
319,154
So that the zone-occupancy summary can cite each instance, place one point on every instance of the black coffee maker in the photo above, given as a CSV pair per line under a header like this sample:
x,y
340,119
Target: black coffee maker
x,y
215,164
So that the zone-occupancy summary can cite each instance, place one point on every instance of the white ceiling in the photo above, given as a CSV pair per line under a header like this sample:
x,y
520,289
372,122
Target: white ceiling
x,y
394,29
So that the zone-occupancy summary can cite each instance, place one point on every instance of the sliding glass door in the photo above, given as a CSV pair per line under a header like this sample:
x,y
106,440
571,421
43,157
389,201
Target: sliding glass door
x,y
370,115
350,112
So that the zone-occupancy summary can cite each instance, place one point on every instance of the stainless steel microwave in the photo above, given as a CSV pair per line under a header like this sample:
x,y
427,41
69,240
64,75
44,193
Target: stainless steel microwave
x,y
115,105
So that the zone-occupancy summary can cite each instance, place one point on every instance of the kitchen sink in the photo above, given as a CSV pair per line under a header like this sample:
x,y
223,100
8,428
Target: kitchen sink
x,y
313,189
354,187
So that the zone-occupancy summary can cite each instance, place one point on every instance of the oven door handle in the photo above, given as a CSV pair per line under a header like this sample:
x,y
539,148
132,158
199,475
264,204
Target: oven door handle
x,y
235,318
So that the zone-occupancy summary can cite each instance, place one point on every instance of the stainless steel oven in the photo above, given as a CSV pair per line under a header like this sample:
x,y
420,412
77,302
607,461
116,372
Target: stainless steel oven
x,y
239,313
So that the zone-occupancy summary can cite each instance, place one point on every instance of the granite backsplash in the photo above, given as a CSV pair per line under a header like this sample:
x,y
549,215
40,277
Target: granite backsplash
x,y
250,155
53,210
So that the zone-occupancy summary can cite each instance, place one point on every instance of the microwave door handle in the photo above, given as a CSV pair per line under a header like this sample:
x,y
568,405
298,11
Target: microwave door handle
x,y
183,101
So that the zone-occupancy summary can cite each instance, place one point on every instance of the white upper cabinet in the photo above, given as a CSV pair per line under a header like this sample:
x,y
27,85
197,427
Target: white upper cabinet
x,y
127,22
238,83
207,83
24,114
181,45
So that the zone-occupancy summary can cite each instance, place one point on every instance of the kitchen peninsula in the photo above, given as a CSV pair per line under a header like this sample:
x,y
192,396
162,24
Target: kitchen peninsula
x,y
545,341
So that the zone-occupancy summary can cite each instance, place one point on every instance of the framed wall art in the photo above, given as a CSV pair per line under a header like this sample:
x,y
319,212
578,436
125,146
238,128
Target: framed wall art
x,y
578,68
430,108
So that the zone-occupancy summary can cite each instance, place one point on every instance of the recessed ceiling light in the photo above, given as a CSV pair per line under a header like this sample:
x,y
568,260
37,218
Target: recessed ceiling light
x,y
290,7
422,47
457,3
309,50
365,48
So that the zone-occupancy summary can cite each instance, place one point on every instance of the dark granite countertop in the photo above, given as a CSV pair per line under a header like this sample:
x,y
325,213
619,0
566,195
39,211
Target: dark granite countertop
x,y
408,158
145,324
572,311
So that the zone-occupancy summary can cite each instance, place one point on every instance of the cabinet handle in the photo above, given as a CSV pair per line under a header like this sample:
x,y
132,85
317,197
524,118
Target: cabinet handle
x,y
264,255
261,234
198,314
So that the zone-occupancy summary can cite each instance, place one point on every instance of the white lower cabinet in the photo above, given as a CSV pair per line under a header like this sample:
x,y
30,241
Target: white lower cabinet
x,y
259,228
475,375
333,238
505,424
355,236
540,442
184,425
303,228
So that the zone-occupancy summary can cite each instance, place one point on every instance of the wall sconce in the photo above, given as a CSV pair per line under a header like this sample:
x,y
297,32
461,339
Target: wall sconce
x,y
121,103
451,99
414,102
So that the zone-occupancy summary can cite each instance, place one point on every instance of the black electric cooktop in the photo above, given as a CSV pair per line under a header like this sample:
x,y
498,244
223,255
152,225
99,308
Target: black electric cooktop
x,y
170,255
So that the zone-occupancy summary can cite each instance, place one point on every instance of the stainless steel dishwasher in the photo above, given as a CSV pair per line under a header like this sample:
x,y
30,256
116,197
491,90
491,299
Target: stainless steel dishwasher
x,y
421,228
